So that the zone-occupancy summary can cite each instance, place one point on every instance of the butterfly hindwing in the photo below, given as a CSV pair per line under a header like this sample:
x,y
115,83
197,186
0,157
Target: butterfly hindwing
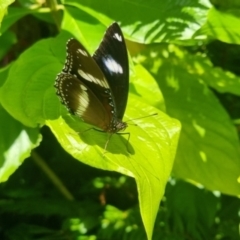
x,y
78,99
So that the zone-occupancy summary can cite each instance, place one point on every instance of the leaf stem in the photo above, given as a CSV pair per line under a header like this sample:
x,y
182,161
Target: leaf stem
x,y
52,176
53,5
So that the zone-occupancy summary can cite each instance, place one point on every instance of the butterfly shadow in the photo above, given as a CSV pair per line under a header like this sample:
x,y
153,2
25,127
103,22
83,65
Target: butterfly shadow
x,y
117,143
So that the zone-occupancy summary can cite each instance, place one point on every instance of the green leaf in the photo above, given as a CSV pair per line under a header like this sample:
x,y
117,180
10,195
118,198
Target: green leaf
x,y
223,26
224,5
7,40
28,93
144,85
17,141
148,157
13,15
3,74
180,20
221,80
3,8
208,151
199,65
84,27
184,202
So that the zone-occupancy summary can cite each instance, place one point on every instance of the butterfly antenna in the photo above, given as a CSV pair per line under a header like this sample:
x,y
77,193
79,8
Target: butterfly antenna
x,y
154,114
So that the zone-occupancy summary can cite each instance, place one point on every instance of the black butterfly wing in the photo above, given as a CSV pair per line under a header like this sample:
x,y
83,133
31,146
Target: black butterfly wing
x,y
83,89
78,99
111,56
81,64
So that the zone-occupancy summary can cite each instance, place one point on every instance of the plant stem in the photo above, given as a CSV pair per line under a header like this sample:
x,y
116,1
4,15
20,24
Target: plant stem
x,y
52,176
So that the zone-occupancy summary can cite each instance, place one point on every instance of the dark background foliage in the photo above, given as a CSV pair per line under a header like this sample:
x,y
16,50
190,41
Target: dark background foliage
x,y
53,196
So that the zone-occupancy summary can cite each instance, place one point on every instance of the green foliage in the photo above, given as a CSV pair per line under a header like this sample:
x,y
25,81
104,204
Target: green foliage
x,y
222,25
17,141
207,130
175,72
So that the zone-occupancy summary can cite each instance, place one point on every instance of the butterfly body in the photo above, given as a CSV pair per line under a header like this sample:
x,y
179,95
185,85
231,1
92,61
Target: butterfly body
x,y
95,88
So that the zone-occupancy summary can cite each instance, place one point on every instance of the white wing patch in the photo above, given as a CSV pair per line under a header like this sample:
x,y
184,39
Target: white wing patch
x,y
117,36
91,78
83,101
113,65
82,52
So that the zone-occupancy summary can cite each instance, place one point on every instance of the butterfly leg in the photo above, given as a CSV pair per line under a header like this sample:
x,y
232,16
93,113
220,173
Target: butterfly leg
x,y
86,130
109,137
106,144
79,133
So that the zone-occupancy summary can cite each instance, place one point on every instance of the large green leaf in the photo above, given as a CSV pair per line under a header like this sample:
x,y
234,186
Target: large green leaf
x,y
161,21
199,65
144,85
17,141
28,93
222,25
184,202
208,150
148,156
3,8
13,15
215,77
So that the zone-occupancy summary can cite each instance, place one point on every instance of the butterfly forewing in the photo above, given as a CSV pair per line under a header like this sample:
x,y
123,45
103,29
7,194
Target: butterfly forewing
x,y
111,57
81,64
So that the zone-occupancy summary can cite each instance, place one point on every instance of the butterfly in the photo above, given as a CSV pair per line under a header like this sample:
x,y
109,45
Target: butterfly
x,y
95,88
